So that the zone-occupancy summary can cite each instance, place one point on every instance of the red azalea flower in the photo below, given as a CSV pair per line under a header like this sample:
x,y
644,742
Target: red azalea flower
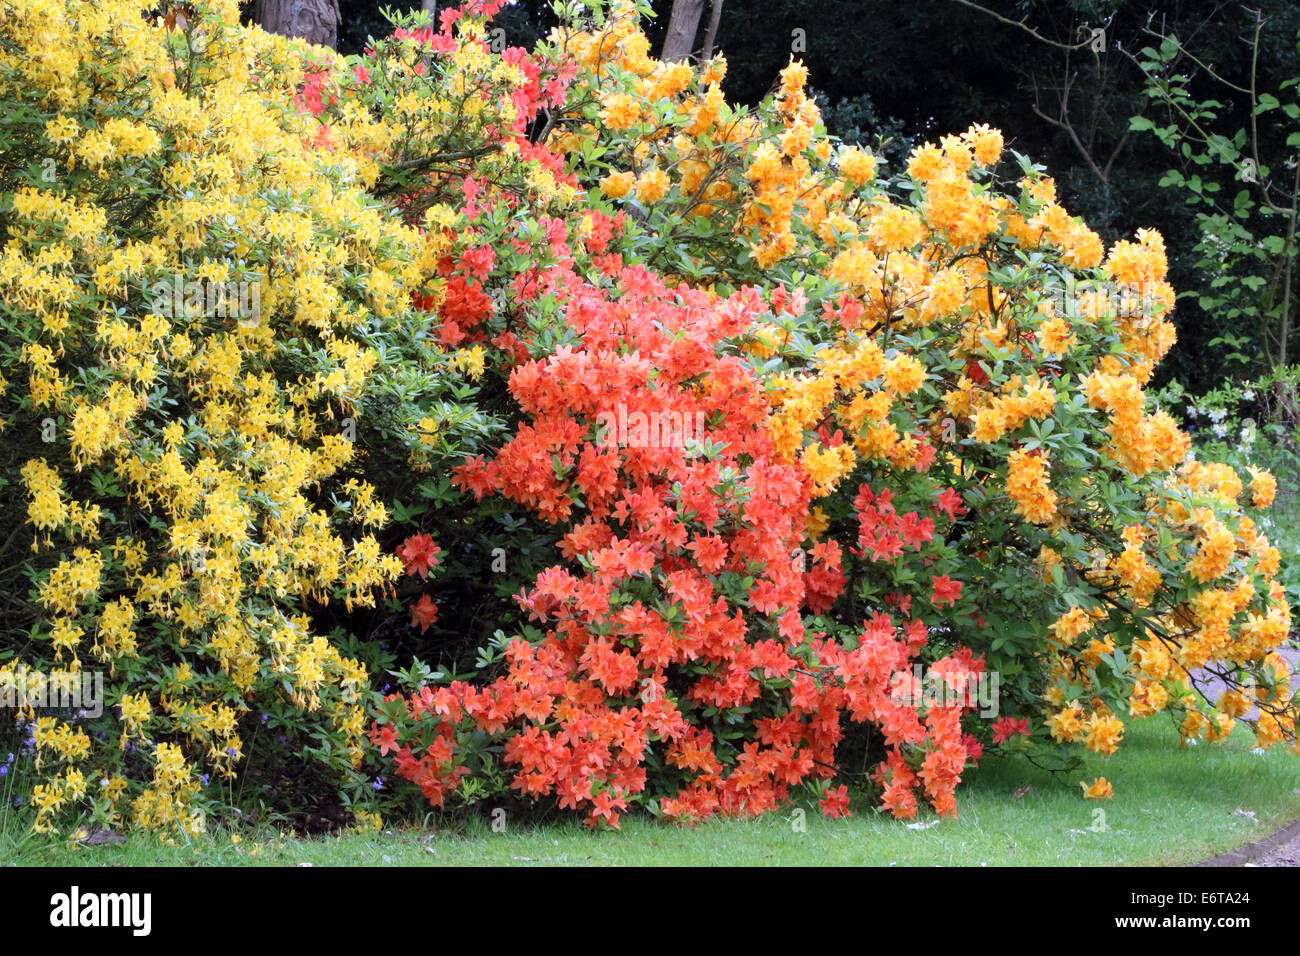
x,y
836,802
946,590
424,613
1004,728
385,738
949,502
419,554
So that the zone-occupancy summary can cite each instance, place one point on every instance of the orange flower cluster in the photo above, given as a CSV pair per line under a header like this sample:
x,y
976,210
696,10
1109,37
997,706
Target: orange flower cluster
x,y
1028,486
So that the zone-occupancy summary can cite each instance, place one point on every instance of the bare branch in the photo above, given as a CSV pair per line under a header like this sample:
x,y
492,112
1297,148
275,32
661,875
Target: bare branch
x,y
1023,26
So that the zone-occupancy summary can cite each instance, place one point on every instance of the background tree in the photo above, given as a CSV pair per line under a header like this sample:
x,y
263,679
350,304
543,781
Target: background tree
x,y
711,34
683,25
316,21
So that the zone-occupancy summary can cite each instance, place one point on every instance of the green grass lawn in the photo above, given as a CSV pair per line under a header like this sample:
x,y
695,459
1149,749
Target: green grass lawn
x,y
1169,807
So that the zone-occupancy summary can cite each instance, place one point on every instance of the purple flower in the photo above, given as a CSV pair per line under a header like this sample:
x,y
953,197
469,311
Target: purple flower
x,y
203,778
4,769
378,784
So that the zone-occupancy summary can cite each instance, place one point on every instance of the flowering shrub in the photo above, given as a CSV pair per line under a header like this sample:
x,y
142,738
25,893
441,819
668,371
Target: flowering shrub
x,y
683,611
968,353
188,467
761,442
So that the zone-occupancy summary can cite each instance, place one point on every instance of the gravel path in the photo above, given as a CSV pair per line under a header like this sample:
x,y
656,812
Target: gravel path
x,y
1279,849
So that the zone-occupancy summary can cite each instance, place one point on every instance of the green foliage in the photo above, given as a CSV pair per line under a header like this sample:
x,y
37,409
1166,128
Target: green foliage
x,y
1241,176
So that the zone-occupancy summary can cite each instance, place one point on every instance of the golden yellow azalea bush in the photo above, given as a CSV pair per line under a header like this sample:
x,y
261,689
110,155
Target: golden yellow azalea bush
x,y
949,329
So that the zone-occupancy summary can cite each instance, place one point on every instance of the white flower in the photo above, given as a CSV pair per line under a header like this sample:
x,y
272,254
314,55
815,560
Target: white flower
x,y
1221,430
1191,411
1217,414
1248,395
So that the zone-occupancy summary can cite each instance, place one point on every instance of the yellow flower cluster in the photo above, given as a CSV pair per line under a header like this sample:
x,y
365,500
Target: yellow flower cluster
x,y
1139,442
953,208
642,97
1051,225
166,803
858,386
779,167
65,784
1071,624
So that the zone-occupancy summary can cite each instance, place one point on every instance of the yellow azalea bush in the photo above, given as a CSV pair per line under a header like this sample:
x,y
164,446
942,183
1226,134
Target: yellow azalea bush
x,y
208,338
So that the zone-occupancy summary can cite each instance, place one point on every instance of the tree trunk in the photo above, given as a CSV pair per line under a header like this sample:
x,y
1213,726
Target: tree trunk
x,y
711,34
316,21
431,8
683,24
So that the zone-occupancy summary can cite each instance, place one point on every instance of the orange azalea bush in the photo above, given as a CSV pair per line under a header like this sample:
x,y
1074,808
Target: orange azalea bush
x,y
783,456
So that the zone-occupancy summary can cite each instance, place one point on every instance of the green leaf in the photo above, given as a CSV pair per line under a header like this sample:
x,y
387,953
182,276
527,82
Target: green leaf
x,y
1267,101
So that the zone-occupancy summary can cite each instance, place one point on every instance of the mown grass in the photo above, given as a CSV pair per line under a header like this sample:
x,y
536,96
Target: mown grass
x,y
1170,807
